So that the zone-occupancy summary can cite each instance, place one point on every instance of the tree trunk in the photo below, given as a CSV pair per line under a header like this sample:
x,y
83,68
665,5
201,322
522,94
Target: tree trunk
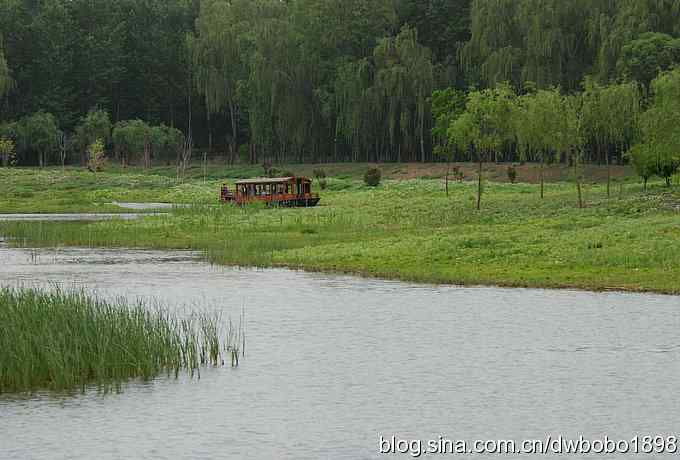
x,y
234,133
448,169
644,184
41,159
422,143
147,156
479,184
210,139
609,174
542,181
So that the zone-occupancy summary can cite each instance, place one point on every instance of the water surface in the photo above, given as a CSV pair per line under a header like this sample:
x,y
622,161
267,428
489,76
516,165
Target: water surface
x,y
60,217
332,362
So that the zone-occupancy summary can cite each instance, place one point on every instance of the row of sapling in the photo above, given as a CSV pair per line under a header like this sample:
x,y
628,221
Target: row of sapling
x,y
546,126
37,138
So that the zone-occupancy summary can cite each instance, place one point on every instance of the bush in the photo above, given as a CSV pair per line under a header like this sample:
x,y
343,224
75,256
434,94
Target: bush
x,y
372,177
323,184
7,152
512,174
96,158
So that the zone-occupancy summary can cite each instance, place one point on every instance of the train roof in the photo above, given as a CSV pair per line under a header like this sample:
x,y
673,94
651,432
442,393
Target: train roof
x,y
269,180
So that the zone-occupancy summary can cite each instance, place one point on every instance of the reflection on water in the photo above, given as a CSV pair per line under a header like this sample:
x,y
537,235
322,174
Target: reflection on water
x,y
334,361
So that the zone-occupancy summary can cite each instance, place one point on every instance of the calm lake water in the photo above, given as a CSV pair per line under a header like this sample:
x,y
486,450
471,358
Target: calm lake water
x,y
333,362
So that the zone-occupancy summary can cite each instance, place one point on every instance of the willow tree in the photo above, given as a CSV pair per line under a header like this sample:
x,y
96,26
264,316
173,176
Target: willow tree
x,y
353,105
38,133
218,61
544,41
383,103
610,117
130,138
539,126
660,136
96,125
283,109
572,139
417,61
6,81
486,126
447,105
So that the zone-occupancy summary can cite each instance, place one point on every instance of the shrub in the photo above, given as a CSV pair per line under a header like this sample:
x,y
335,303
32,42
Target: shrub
x,y
96,158
7,152
372,177
323,184
512,174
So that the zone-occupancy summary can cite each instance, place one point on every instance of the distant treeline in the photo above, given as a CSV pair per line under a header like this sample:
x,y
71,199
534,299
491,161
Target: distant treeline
x,y
316,80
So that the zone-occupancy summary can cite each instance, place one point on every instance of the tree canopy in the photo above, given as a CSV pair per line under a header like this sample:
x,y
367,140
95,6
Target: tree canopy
x,y
325,80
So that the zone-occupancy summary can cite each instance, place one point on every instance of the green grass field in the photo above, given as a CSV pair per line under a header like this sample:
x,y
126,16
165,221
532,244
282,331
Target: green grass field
x,y
405,229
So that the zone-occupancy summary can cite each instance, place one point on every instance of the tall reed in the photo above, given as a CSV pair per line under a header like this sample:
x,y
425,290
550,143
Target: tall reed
x,y
64,339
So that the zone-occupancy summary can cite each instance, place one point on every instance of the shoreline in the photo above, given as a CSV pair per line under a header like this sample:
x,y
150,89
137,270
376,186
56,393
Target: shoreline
x,y
379,276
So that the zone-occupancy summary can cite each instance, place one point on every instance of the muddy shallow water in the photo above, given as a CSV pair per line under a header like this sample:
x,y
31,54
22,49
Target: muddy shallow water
x,y
333,362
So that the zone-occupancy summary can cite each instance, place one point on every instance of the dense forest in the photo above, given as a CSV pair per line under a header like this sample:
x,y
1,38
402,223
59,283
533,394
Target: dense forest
x,y
330,80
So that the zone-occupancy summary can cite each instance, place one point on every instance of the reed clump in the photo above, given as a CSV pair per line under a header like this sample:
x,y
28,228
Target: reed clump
x,y
60,340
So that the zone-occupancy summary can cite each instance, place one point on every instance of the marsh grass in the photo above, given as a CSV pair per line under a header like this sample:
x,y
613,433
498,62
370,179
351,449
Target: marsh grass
x,y
60,340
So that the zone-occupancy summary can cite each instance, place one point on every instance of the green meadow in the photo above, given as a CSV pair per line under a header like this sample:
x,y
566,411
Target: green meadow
x,y
406,228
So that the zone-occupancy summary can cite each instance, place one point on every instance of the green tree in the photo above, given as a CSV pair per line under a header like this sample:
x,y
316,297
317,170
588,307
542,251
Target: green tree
x,y
659,125
38,134
486,126
6,81
447,106
644,57
573,139
540,126
96,125
610,117
644,161
167,142
131,138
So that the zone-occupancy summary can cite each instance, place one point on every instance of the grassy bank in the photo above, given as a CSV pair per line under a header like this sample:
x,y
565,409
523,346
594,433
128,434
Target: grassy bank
x,y
410,230
53,190
61,340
